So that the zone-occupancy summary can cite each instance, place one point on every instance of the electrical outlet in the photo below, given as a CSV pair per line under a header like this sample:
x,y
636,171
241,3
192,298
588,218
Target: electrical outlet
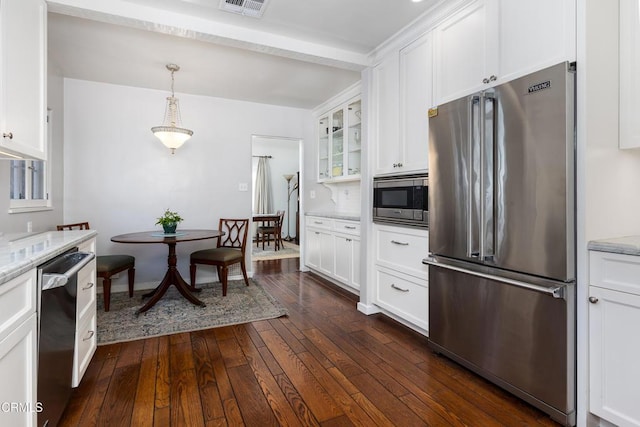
x,y
312,194
243,186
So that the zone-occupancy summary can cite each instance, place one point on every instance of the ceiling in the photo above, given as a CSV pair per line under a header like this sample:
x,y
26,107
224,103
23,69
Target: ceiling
x,y
299,54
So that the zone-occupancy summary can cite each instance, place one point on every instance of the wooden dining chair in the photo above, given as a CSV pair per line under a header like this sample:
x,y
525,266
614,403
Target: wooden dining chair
x,y
274,229
108,265
230,250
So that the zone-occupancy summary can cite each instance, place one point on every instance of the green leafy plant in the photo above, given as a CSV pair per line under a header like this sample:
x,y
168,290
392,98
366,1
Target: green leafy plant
x,y
169,218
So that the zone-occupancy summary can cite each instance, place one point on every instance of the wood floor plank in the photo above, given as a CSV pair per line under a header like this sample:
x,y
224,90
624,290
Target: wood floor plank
x,y
146,389
163,377
93,407
353,412
209,395
321,404
326,364
282,410
252,402
296,401
186,408
117,407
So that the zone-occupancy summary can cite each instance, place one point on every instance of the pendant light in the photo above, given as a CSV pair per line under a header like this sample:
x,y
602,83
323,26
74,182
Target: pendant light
x,y
171,133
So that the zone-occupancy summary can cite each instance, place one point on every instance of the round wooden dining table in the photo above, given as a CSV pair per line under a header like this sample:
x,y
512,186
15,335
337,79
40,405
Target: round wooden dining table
x,y
172,276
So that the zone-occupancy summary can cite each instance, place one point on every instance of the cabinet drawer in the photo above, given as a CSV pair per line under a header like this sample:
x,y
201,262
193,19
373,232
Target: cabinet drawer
x,y
88,246
86,343
347,227
86,289
406,298
320,222
17,301
615,271
402,250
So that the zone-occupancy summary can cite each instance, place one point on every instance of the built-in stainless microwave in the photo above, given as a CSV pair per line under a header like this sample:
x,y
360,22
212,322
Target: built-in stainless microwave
x,y
401,200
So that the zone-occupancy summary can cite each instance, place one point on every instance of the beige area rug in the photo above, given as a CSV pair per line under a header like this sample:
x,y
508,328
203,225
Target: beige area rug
x,y
174,314
290,250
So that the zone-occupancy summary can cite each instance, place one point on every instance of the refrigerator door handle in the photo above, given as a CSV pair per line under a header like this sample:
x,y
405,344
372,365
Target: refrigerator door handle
x,y
487,177
474,103
554,291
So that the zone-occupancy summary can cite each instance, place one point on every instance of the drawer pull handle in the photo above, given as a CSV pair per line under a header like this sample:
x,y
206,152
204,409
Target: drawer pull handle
x,y
350,227
593,300
317,232
7,135
318,222
89,286
348,240
398,288
91,334
395,242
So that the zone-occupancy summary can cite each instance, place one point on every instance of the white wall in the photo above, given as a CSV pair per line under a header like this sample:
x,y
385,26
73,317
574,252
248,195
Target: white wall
x,y
612,175
285,159
120,178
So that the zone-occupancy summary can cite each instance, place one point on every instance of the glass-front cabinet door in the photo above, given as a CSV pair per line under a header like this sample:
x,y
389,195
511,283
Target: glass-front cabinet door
x,y
339,142
354,148
323,148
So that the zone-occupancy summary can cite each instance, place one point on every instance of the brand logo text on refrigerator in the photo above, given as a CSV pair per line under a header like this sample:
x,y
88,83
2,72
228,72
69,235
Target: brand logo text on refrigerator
x,y
539,86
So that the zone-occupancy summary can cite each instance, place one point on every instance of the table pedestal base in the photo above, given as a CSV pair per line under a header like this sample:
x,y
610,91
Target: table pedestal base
x,y
172,277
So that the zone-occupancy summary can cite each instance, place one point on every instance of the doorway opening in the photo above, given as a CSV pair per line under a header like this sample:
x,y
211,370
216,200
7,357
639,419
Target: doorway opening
x,y
277,179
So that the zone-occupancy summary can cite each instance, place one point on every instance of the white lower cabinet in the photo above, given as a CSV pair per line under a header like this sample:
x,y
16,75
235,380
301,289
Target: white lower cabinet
x,y
333,248
401,280
614,344
86,316
18,351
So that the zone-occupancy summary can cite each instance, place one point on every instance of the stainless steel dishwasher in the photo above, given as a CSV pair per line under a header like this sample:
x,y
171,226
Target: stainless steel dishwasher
x,y
56,332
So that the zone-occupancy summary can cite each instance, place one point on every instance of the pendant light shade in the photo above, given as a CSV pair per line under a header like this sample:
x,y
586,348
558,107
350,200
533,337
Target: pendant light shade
x,y
171,133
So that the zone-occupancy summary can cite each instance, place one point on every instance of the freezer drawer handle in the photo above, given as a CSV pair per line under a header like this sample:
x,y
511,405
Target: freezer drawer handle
x,y
593,300
395,242
398,288
556,291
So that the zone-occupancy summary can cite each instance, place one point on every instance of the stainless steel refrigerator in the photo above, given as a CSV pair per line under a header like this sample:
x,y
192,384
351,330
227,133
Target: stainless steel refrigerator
x,y
502,236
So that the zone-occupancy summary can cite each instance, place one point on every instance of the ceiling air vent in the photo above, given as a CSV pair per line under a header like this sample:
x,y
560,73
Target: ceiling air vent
x,y
253,8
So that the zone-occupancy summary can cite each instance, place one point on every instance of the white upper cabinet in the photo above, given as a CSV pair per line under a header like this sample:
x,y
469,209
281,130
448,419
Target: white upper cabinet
x,y
416,90
629,72
23,35
493,41
340,142
385,116
465,50
402,84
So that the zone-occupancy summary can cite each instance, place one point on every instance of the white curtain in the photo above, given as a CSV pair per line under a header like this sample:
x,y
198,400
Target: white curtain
x,y
264,195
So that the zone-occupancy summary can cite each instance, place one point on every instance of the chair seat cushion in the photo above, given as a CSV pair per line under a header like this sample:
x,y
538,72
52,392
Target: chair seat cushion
x,y
217,254
106,263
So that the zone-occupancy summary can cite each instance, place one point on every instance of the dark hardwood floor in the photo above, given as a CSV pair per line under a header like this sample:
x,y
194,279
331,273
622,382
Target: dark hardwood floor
x,y
326,364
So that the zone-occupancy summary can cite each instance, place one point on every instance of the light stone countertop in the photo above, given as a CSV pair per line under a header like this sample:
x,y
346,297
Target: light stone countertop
x,y
628,245
20,253
350,216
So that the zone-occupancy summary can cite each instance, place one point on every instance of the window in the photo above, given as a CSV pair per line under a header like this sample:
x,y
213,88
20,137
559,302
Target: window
x,y
29,182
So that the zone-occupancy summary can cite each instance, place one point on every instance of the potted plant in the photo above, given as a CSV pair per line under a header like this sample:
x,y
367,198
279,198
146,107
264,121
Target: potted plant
x,y
169,221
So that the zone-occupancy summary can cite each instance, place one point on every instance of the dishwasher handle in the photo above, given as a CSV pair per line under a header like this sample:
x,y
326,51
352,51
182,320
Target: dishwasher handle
x,y
56,280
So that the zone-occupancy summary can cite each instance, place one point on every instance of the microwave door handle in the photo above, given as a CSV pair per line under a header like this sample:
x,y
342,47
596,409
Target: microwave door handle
x,y
472,251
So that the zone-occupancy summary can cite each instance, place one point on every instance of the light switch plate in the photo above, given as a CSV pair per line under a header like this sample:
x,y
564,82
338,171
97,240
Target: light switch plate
x,y
243,186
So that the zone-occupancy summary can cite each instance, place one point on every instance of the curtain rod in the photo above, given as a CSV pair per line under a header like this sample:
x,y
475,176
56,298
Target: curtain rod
x,y
264,157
